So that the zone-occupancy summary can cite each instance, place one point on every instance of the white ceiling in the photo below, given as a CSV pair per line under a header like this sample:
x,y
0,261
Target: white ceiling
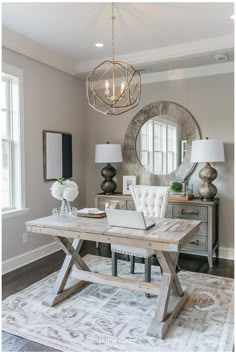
x,y
72,29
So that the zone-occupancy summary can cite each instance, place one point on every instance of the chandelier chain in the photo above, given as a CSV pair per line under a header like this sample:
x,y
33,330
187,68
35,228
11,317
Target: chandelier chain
x,y
113,33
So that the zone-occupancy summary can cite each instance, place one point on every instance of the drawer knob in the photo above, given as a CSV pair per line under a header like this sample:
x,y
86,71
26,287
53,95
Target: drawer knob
x,y
189,212
195,242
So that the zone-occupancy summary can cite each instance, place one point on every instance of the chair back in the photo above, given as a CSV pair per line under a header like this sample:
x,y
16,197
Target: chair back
x,y
151,200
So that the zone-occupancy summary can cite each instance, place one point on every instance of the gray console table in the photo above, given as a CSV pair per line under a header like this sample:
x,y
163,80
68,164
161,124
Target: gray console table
x,y
207,239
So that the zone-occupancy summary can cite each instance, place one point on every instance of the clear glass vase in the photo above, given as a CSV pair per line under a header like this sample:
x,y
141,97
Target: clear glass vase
x,y
65,210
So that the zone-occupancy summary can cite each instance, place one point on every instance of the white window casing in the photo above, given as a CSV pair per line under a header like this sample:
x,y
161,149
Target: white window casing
x,y
14,78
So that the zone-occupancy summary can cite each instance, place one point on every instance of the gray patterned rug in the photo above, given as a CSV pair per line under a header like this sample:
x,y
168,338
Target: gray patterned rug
x,y
103,318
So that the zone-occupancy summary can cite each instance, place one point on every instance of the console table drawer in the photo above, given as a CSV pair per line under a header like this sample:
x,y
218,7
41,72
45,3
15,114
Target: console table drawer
x,y
190,212
103,201
197,243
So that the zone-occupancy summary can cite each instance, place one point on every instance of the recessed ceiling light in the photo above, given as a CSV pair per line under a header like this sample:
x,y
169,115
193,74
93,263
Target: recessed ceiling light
x,y
221,57
232,17
99,45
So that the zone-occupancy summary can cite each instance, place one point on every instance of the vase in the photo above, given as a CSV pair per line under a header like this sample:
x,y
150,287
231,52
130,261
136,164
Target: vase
x,y
65,209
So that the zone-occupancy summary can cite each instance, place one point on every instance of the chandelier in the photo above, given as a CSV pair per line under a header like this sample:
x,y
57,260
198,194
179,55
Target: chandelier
x,y
113,87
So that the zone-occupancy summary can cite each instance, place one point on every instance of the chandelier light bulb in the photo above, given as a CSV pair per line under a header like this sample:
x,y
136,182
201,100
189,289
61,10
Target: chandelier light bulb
x,y
107,91
122,88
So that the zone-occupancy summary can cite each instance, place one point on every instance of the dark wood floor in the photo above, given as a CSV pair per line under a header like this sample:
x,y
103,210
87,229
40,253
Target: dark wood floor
x,y
21,278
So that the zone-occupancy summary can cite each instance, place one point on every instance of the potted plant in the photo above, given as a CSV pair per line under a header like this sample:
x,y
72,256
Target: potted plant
x,y
177,187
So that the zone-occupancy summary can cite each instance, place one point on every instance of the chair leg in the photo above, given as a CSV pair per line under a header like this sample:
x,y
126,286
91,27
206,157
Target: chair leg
x,y
132,264
114,264
97,244
148,271
178,268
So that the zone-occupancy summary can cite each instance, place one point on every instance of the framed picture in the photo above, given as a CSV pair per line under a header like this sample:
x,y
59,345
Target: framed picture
x,y
57,155
128,181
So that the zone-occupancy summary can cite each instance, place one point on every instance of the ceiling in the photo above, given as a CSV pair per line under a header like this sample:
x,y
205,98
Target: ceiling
x,y
70,30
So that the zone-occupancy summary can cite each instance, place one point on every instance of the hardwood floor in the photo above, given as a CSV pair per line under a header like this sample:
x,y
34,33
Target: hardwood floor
x,y
22,278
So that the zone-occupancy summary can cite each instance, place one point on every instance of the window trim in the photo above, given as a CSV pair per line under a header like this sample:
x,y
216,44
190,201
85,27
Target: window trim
x,y
9,141
18,72
8,214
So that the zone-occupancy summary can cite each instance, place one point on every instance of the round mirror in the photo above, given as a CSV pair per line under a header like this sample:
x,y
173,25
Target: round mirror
x,y
161,145
158,142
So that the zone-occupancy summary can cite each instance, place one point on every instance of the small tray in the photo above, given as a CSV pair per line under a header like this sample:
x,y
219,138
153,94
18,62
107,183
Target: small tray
x,y
180,197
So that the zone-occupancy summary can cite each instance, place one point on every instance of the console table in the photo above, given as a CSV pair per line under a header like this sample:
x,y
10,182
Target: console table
x,y
205,242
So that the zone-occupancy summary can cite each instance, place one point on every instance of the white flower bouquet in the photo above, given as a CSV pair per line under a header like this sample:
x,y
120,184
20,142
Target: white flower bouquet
x,y
66,191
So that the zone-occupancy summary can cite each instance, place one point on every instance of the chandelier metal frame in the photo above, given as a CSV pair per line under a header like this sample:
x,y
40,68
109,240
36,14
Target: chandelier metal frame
x,y
115,74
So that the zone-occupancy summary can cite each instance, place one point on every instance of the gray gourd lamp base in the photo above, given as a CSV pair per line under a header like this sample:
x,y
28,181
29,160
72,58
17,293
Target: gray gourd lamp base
x,y
108,185
207,190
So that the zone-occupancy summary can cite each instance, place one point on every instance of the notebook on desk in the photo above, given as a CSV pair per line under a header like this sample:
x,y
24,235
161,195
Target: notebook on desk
x,y
128,218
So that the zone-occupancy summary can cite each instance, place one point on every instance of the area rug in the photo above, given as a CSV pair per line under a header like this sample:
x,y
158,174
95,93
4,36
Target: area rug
x,y
103,318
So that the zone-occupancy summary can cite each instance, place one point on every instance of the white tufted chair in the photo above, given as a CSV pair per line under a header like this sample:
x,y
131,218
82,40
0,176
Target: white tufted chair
x,y
152,201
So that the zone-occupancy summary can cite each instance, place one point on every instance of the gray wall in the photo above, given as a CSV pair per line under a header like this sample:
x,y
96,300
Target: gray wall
x,y
53,100
210,99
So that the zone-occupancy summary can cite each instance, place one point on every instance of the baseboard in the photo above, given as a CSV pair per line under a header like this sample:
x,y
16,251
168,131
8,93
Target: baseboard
x,y
28,257
226,253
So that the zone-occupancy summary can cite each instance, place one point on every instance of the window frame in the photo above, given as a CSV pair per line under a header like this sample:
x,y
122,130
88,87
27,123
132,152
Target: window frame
x,y
8,139
164,149
17,152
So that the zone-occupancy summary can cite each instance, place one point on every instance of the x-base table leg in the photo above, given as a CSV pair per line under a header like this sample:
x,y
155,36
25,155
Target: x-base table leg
x,y
171,297
72,257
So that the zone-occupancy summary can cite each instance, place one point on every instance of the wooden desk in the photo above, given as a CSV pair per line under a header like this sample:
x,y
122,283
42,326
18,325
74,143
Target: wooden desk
x,y
166,238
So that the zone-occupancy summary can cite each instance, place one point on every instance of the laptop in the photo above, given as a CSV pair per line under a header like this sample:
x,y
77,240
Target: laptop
x,y
128,218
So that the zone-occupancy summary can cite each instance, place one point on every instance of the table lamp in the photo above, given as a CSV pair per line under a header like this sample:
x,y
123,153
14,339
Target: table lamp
x,y
107,153
207,150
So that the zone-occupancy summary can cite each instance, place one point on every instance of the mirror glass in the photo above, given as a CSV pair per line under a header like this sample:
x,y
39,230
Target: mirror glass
x,y
161,144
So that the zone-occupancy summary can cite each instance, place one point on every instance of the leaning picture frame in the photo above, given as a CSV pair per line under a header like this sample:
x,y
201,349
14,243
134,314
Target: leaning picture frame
x,y
128,181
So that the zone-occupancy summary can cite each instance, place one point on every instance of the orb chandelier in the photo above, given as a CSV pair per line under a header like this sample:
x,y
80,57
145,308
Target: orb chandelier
x,y
113,87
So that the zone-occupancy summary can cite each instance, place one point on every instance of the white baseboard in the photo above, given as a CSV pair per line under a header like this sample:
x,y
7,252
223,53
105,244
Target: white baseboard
x,y
28,257
40,252
226,253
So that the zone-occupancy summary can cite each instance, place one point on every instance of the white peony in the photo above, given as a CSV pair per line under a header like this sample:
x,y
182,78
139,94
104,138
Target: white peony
x,y
67,190
70,193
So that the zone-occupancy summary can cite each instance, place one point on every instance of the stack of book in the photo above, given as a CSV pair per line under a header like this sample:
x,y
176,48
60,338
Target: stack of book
x,y
91,213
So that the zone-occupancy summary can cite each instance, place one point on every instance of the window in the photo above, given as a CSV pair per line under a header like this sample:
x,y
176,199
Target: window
x,y
158,146
12,144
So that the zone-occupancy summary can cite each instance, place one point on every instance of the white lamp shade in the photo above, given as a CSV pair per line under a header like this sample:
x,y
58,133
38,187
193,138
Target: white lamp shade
x,y
108,153
207,150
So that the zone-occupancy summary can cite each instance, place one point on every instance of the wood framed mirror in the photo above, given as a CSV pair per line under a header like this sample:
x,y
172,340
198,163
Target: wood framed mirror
x,y
57,155
157,145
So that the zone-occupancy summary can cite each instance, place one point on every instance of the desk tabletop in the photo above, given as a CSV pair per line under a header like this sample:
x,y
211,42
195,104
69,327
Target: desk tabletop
x,y
171,231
